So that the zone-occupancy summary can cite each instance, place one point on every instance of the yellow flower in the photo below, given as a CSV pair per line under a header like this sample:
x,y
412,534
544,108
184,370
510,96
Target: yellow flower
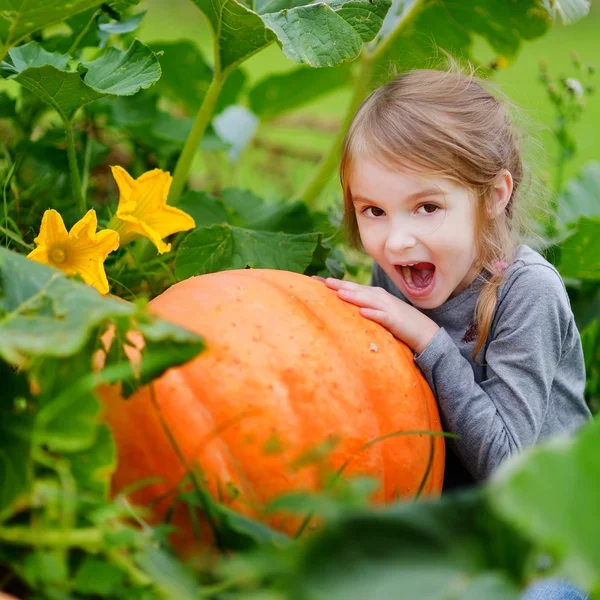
x,y
502,62
81,252
143,209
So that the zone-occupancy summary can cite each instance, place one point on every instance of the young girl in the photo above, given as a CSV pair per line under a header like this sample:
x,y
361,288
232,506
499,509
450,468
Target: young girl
x,y
431,173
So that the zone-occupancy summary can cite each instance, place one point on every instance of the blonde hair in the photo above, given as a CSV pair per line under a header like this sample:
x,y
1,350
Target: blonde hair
x,y
446,123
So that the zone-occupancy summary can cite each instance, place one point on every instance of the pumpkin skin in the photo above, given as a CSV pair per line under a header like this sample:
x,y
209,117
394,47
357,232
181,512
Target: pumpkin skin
x,y
288,366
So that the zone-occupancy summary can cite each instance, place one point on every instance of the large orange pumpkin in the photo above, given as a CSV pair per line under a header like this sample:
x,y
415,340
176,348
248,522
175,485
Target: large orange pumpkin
x,y
288,366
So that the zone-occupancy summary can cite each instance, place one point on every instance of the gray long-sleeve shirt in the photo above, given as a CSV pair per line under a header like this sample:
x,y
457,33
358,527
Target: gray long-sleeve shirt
x,y
527,382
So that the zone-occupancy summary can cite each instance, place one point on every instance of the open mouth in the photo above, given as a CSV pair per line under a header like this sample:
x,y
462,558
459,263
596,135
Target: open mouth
x,y
418,278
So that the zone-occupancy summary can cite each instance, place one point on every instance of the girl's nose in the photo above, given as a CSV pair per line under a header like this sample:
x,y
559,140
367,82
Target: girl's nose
x,y
399,240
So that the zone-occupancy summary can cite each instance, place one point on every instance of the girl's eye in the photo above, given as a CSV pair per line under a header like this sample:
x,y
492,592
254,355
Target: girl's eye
x,y
428,209
375,212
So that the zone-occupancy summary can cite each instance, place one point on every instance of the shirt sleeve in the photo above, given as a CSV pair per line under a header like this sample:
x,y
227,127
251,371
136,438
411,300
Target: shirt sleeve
x,y
503,414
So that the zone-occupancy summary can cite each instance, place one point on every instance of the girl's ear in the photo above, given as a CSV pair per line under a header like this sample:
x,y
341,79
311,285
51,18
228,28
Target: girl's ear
x,y
501,195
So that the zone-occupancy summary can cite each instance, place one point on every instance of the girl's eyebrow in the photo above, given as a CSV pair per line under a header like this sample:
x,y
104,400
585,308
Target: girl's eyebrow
x,y
411,198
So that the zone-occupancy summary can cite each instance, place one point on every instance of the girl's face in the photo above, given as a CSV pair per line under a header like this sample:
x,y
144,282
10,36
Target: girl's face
x,y
425,221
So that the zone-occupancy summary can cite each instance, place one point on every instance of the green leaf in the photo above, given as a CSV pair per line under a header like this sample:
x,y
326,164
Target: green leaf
x,y
96,577
319,34
551,494
278,94
340,28
187,86
240,32
205,209
580,252
42,313
453,548
581,198
255,213
115,73
169,575
16,425
222,247
123,73
124,26
414,31
94,467
26,16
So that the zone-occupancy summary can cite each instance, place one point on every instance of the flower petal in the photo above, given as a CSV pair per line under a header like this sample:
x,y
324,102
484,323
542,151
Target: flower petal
x,y
92,272
52,230
40,254
151,191
85,227
170,220
134,227
125,183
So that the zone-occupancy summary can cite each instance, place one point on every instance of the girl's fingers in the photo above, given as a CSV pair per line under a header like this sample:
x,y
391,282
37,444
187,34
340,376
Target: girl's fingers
x,y
317,277
360,297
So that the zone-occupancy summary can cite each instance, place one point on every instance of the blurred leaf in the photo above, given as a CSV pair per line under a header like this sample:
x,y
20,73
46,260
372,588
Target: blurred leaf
x,y
222,247
27,16
255,213
205,209
169,575
45,314
16,425
551,493
93,467
186,77
580,252
98,578
453,548
236,125
125,26
7,106
277,94
414,31
570,11
581,198
114,73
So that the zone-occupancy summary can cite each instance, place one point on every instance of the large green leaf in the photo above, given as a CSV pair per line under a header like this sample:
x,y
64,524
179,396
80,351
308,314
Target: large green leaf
x,y
582,196
26,16
580,252
115,73
277,94
552,494
327,34
452,549
415,29
319,34
221,247
44,314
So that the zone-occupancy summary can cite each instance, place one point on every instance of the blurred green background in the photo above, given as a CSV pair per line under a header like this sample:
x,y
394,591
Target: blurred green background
x,y
272,172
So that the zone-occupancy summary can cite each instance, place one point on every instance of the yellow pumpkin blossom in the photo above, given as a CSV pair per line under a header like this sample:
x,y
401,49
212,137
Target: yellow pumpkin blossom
x,y
143,209
82,251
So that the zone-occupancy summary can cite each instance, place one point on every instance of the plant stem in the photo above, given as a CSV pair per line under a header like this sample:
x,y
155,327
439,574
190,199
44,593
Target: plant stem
x,y
362,82
74,170
190,148
89,538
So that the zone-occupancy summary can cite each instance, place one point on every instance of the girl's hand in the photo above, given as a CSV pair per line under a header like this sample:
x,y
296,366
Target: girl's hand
x,y
401,319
